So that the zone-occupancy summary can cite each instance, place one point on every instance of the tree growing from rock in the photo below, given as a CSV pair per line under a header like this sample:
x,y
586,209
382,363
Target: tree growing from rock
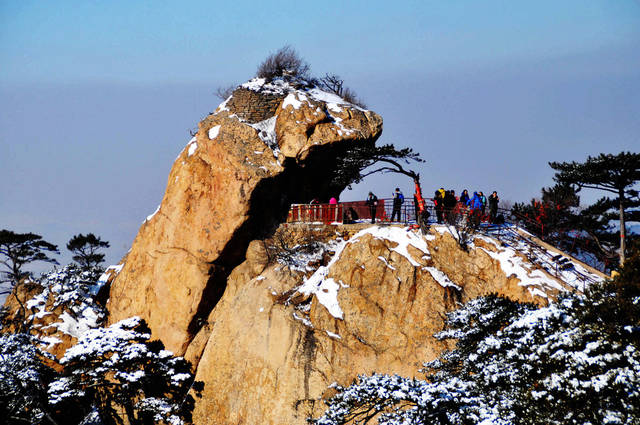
x,y
334,84
616,174
85,249
18,250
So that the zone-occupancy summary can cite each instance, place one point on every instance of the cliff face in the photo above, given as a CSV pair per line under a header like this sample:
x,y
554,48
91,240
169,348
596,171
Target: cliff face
x,y
269,331
281,334
268,145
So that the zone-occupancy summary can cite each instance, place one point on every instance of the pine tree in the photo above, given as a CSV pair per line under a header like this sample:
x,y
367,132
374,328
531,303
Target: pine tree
x,y
85,248
576,361
616,174
18,250
23,378
118,372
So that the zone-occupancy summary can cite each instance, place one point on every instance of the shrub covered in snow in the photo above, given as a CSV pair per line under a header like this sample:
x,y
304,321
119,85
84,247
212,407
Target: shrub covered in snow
x,y
23,397
60,299
117,372
576,361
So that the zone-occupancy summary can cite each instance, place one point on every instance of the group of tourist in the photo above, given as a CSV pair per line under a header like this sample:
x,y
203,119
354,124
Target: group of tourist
x,y
447,204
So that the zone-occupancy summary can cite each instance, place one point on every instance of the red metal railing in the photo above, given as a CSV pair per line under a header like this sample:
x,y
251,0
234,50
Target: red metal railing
x,y
348,212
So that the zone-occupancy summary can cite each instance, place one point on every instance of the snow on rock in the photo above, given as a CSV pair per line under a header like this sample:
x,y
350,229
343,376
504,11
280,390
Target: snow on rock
x,y
276,86
293,100
64,307
111,269
400,235
333,335
440,277
150,216
530,274
213,132
192,148
109,273
326,289
512,264
267,133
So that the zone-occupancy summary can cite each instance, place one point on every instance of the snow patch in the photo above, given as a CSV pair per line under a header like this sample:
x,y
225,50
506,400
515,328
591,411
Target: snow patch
x,y
267,133
213,132
332,335
400,235
149,217
440,277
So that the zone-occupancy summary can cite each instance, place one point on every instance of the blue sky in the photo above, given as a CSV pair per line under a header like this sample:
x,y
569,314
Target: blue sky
x,y
97,98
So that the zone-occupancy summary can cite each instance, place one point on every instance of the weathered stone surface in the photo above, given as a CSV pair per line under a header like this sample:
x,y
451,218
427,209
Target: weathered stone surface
x,y
271,354
231,184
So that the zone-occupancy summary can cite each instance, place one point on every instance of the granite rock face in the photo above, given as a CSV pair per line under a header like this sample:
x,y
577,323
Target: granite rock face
x,y
282,334
267,146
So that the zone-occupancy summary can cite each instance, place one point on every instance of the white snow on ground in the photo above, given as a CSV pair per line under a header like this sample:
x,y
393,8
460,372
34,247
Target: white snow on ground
x,y
213,132
512,264
527,272
77,327
277,86
267,133
223,106
102,280
67,287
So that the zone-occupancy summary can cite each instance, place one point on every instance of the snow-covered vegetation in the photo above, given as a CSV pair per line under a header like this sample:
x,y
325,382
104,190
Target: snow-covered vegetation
x,y
117,370
23,398
109,374
576,361
67,291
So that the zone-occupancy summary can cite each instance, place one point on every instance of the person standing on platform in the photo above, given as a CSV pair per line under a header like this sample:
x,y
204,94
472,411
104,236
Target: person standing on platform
x,y
372,203
398,200
438,202
493,206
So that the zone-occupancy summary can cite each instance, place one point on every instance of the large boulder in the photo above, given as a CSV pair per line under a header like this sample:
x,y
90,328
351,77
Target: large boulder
x,y
267,146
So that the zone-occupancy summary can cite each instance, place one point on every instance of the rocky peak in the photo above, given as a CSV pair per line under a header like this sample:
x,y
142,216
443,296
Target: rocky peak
x,y
267,146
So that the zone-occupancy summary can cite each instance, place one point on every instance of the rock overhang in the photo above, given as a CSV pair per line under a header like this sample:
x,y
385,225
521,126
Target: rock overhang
x,y
270,144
